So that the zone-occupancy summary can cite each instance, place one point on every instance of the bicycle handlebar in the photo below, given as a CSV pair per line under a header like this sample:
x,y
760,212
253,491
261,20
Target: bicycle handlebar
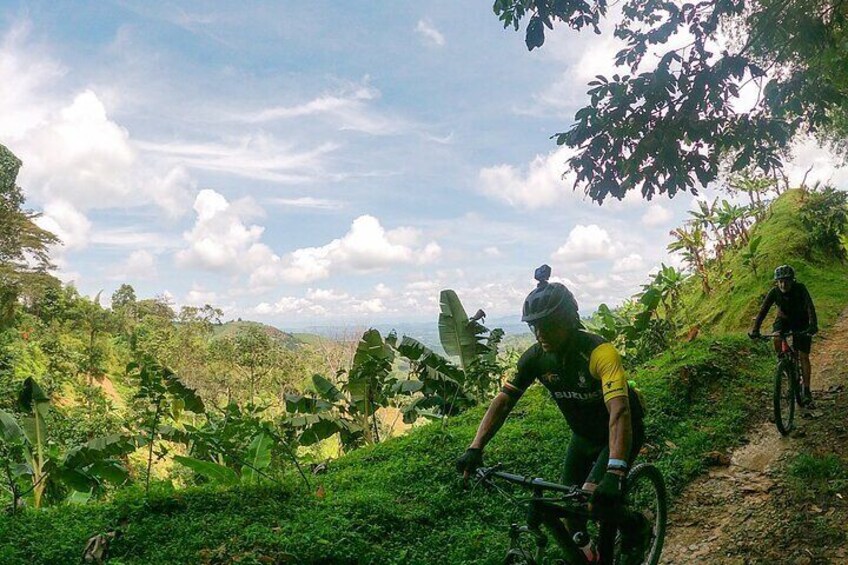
x,y
485,473
784,334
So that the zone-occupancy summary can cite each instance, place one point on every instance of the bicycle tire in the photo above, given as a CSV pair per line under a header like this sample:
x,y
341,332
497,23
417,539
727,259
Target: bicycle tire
x,y
784,396
797,380
647,472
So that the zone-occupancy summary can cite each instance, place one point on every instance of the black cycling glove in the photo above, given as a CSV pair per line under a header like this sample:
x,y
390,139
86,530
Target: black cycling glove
x,y
609,494
470,460
813,329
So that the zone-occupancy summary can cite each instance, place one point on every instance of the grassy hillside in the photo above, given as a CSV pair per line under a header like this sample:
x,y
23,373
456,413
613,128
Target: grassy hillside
x,y
736,299
290,341
401,501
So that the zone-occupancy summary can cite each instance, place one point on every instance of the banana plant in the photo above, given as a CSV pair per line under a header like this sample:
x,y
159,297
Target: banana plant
x,y
751,256
35,404
254,463
442,385
349,409
465,337
369,381
161,394
692,245
30,464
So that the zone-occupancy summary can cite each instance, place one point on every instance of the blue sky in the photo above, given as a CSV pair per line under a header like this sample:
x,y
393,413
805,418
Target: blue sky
x,y
316,163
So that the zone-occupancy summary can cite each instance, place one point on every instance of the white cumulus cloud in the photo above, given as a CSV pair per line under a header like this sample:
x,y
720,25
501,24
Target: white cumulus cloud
x,y
586,243
220,240
541,185
656,215
630,263
69,224
429,33
366,247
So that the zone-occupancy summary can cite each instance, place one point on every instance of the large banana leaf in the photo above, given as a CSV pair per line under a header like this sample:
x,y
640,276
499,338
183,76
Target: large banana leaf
x,y
109,470
300,404
317,427
99,449
444,382
187,395
36,404
326,389
258,457
460,336
370,374
216,473
10,431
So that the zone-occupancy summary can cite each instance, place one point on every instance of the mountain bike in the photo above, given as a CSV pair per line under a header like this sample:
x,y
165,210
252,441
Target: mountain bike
x,y
787,382
645,503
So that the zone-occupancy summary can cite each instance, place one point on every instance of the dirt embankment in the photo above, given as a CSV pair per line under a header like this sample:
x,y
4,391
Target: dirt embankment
x,y
750,511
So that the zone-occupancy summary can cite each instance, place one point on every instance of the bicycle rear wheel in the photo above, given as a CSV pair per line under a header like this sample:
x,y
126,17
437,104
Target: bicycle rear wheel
x,y
646,496
784,396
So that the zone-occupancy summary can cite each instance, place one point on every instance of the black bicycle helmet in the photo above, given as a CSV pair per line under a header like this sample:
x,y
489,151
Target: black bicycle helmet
x,y
784,272
549,298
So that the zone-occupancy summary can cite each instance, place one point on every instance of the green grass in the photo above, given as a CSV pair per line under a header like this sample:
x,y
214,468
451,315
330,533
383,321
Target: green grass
x,y
735,299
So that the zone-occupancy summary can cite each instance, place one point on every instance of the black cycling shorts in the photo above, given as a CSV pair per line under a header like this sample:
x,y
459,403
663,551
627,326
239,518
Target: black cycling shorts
x,y
802,343
586,461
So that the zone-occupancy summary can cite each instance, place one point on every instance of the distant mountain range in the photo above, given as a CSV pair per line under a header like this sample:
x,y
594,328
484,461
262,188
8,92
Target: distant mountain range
x,y
425,332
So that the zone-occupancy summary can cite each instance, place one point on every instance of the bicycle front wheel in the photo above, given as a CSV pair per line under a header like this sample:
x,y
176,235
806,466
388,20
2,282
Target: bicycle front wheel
x,y
784,396
646,497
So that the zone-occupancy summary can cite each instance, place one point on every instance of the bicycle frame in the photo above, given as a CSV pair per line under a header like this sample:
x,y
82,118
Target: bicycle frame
x,y
787,349
573,502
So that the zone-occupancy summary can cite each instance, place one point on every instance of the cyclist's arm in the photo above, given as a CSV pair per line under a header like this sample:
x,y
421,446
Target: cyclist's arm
x,y
605,364
505,401
767,304
620,428
811,309
494,418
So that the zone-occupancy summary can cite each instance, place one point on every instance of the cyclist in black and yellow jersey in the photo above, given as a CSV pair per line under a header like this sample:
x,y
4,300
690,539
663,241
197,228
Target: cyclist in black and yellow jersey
x,y
584,374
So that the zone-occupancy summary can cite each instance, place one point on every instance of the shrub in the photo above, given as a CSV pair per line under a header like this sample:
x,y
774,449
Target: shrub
x,y
824,214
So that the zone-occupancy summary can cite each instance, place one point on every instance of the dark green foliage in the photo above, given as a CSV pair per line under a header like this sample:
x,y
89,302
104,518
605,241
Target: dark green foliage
x,y
824,213
24,259
643,327
23,245
670,128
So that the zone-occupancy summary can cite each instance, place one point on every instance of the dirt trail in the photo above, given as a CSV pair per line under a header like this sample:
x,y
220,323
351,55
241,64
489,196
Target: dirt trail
x,y
739,513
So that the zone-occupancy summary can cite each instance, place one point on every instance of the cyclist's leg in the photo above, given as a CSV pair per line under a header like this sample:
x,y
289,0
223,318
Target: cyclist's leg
x,y
803,345
777,327
579,458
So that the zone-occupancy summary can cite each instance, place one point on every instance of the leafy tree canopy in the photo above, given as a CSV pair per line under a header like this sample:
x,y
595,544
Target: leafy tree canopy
x,y
23,245
670,124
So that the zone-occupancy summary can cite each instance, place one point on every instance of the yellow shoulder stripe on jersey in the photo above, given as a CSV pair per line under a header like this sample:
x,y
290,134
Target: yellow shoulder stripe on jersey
x,y
605,365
